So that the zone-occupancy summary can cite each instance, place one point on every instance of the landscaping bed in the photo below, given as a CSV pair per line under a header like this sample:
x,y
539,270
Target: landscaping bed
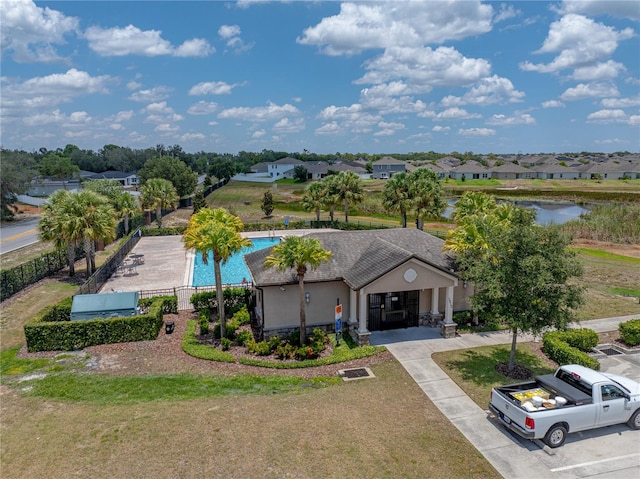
x,y
165,356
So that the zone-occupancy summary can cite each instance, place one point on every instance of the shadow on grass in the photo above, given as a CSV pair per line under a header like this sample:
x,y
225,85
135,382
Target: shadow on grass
x,y
478,365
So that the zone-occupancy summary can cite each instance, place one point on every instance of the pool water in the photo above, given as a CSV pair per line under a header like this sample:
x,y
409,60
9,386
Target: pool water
x,y
234,270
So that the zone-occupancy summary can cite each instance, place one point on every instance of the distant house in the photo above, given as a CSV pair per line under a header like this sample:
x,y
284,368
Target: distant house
x,y
511,171
556,172
604,171
471,170
384,279
386,167
278,168
46,187
441,173
125,179
261,167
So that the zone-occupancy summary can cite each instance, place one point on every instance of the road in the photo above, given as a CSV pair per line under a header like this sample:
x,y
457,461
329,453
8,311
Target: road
x,y
17,234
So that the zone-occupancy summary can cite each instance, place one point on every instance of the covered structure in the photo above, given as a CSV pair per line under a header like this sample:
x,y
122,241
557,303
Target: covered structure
x,y
90,306
383,279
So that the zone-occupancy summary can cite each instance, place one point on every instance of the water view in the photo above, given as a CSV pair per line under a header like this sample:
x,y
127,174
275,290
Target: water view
x,y
234,270
546,211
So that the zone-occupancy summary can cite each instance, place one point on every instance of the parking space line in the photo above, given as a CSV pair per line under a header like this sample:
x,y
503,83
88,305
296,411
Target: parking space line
x,y
591,463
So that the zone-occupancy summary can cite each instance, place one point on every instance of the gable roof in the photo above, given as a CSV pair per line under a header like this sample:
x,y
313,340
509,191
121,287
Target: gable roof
x,y
111,175
358,257
287,161
388,160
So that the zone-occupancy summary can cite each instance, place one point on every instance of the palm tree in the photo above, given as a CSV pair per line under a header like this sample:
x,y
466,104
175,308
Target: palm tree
x,y
314,198
53,225
299,253
126,205
426,195
217,231
158,194
330,186
473,202
348,190
93,219
123,203
395,195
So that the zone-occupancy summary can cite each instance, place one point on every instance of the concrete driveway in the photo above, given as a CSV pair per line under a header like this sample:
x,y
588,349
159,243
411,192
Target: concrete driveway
x,y
610,452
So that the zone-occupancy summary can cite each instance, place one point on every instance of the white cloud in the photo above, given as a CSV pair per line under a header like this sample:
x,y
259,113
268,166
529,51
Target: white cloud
x,y
487,91
131,40
121,116
212,88
166,128
439,128
202,108
228,31
160,113
502,120
476,132
456,114
424,67
151,95
608,117
614,8
260,113
580,42
56,117
506,12
286,125
31,32
258,134
231,35
379,98
553,104
590,90
600,71
621,102
363,26
331,128
192,136
133,85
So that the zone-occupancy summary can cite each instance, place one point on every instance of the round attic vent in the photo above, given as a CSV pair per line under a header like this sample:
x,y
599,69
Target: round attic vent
x,y
410,275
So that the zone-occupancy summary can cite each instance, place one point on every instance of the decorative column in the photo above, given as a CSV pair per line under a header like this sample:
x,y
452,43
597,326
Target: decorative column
x,y
448,327
363,332
434,315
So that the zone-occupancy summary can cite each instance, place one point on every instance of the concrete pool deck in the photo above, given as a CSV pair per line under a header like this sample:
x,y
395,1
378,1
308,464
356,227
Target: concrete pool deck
x,y
167,264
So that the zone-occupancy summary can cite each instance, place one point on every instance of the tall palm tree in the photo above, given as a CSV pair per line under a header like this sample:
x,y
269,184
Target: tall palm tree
x,y
93,219
299,253
126,205
217,231
123,203
53,225
158,194
473,202
396,195
314,198
426,195
349,190
330,185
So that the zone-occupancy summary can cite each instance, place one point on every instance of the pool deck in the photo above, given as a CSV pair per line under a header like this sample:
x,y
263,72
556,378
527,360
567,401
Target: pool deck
x,y
167,264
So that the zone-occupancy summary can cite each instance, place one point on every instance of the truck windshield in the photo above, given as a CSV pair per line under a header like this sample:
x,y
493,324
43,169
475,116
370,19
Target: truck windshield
x,y
575,382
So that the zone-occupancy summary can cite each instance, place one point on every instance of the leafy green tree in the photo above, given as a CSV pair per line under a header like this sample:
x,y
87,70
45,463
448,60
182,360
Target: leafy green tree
x,y
426,195
218,231
301,254
300,173
158,194
267,203
523,277
396,195
176,171
199,201
348,191
58,167
314,198
18,168
222,168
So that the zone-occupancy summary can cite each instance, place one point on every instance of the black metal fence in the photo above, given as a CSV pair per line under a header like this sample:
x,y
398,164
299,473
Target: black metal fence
x,y
104,272
48,264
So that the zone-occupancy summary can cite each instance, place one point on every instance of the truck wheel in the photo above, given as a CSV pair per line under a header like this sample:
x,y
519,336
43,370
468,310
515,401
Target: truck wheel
x,y
634,420
555,436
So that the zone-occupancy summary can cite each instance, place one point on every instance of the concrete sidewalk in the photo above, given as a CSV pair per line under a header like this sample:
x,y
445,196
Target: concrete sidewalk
x,y
413,348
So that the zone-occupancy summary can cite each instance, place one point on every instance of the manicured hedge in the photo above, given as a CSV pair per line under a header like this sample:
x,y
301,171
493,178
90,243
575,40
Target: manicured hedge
x,y
630,332
52,330
234,300
571,347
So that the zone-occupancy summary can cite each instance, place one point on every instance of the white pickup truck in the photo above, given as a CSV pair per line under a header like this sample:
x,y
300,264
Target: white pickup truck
x,y
573,399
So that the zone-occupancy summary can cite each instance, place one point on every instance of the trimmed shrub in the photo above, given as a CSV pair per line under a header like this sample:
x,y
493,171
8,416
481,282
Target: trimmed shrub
x,y
243,337
630,332
261,349
235,299
226,344
65,335
242,316
203,321
571,347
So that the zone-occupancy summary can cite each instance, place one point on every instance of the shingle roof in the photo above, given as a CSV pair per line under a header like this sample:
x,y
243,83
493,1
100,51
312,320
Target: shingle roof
x,y
288,161
112,175
358,257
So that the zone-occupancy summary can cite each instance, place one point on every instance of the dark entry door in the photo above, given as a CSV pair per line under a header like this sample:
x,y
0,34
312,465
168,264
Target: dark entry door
x,y
393,310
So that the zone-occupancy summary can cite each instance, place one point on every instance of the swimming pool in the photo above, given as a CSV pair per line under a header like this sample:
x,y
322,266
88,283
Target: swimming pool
x,y
234,270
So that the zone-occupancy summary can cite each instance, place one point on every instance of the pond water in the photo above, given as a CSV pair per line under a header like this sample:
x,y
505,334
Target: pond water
x,y
546,212
234,270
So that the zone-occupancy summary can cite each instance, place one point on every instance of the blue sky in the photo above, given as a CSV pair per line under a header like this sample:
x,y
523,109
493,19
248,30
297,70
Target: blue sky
x,y
328,77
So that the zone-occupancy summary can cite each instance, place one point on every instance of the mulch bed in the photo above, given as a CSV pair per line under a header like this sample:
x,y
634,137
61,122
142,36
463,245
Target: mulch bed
x,y
165,356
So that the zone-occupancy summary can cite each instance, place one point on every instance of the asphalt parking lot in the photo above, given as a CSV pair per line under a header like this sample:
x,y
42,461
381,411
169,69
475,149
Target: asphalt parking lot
x,y
609,452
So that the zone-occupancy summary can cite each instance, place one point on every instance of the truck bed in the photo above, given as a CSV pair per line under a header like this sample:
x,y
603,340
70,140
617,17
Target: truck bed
x,y
560,388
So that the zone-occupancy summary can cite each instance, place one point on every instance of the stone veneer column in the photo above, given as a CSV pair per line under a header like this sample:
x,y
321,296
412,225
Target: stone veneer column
x,y
448,327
